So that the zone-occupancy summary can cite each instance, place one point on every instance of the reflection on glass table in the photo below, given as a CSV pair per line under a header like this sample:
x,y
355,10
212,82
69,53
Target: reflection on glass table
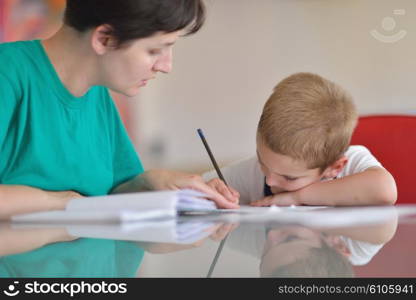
x,y
106,250
52,252
296,251
299,250
330,242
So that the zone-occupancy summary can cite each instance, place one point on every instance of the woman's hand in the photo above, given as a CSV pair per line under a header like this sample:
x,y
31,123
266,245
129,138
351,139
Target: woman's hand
x,y
63,196
172,180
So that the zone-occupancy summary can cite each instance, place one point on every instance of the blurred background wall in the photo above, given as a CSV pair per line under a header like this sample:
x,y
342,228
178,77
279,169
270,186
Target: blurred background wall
x,y
223,75
27,19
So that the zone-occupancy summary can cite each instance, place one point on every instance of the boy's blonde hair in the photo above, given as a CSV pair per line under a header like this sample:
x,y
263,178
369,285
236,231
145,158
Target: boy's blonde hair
x,y
308,118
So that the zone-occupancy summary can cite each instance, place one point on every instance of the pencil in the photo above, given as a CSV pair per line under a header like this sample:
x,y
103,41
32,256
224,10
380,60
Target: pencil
x,y
211,156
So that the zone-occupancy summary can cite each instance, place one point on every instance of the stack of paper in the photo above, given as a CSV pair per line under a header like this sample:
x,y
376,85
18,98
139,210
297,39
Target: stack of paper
x,y
123,207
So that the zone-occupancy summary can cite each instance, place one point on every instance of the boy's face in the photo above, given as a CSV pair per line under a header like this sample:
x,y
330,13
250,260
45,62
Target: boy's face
x,y
287,245
284,174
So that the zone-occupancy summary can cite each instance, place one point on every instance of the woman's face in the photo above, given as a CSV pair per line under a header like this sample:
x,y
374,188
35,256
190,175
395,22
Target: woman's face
x,y
127,69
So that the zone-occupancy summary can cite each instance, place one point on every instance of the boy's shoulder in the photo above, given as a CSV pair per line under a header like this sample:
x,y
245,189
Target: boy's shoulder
x,y
247,167
250,161
247,178
359,159
359,152
353,149
236,167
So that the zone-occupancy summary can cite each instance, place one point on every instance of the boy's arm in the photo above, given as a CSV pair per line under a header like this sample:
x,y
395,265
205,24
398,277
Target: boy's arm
x,y
374,186
374,234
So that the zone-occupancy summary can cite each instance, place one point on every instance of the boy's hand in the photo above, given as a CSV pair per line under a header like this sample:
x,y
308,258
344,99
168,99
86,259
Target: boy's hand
x,y
228,192
282,199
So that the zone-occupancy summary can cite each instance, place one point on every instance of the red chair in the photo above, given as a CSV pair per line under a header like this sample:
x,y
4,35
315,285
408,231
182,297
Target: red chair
x,y
392,140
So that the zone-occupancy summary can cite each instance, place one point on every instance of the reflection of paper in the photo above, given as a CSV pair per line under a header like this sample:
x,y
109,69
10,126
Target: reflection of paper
x,y
65,217
160,231
252,210
246,209
313,216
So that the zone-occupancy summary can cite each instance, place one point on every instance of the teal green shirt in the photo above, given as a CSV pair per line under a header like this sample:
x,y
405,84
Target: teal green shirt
x,y
52,140
80,258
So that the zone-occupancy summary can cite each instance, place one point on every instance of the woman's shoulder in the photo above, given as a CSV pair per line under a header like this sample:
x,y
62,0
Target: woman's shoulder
x,y
14,57
11,50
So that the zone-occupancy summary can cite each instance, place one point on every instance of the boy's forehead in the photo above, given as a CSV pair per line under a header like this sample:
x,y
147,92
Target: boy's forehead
x,y
280,163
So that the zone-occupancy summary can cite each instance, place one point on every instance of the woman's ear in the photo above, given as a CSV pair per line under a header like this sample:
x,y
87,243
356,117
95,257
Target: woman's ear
x,y
102,39
333,170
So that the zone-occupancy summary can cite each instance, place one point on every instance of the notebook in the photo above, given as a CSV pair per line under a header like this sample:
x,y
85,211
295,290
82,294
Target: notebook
x,y
123,208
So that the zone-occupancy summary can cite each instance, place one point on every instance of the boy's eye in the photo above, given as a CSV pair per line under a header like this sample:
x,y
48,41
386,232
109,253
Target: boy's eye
x,y
290,178
155,51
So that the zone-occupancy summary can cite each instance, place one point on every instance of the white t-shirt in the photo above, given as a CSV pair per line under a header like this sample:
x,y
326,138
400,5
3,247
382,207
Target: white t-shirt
x,y
248,179
361,252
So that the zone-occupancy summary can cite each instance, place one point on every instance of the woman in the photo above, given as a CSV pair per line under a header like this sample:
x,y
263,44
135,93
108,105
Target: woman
x,y
60,134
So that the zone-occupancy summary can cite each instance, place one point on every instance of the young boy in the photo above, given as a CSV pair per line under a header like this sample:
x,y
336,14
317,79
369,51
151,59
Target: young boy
x,y
303,153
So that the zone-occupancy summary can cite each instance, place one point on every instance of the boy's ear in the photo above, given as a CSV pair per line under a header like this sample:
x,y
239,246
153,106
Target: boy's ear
x,y
333,170
102,39
338,244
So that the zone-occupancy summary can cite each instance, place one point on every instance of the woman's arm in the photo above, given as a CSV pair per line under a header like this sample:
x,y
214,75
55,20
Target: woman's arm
x,y
20,199
18,240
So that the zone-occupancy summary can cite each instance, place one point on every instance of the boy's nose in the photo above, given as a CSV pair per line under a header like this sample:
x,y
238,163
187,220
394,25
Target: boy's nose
x,y
277,184
272,181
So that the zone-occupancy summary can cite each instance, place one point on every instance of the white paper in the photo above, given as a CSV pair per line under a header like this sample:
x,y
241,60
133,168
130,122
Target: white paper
x,y
123,207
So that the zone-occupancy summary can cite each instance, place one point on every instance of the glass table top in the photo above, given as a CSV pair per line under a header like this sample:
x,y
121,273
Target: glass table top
x,y
321,242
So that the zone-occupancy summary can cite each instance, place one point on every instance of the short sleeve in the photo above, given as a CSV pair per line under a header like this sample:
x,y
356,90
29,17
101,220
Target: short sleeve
x,y
8,105
361,252
359,160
